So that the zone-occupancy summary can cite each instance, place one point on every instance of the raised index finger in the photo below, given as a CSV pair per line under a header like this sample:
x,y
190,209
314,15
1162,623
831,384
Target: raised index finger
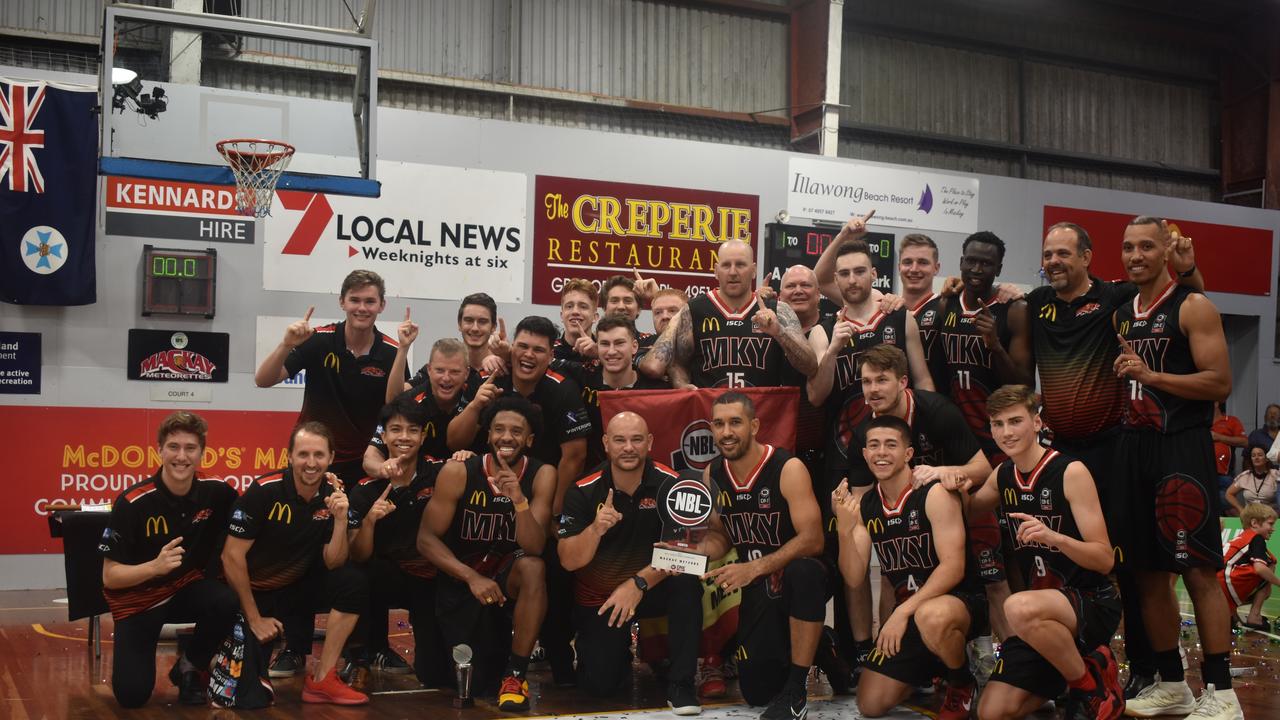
x,y
502,328
608,499
406,312
1021,516
1125,344
307,317
867,218
385,492
173,543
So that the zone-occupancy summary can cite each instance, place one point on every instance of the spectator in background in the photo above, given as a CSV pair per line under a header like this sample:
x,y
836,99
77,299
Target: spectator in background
x,y
1257,484
1228,434
1270,430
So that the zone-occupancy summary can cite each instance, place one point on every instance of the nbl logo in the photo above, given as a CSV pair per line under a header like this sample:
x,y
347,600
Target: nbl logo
x,y
697,447
689,503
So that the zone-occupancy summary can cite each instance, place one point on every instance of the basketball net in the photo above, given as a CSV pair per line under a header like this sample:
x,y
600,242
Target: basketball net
x,y
257,166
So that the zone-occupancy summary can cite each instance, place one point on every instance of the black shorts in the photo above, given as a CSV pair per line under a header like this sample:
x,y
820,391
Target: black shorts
x,y
1171,507
344,588
460,614
1097,617
915,664
764,629
1099,456
985,547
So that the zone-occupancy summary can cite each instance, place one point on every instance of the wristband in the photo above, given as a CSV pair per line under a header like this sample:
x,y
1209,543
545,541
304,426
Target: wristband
x,y
1188,272
522,506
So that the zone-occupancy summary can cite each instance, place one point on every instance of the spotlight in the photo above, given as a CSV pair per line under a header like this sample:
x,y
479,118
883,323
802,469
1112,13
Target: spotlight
x,y
129,95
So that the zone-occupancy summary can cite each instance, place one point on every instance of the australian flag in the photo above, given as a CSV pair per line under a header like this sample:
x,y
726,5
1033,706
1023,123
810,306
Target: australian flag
x,y
48,193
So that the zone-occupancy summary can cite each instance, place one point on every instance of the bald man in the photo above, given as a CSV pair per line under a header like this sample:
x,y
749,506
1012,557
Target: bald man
x,y
607,532
729,337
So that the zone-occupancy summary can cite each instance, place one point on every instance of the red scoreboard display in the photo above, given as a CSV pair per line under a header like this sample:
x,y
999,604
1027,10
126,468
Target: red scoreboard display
x,y
787,245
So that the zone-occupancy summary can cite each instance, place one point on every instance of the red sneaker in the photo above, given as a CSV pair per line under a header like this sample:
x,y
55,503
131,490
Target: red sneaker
x,y
513,694
331,690
957,704
711,678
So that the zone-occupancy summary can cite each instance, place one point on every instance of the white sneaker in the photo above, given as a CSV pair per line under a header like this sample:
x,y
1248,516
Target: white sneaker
x,y
1162,698
1218,705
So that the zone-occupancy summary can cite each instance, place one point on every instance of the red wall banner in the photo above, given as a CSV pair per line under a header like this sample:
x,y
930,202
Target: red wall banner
x,y
680,420
592,229
92,454
1232,259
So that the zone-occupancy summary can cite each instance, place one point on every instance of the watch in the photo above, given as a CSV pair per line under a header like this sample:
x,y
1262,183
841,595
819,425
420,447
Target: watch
x,y
640,583
1188,272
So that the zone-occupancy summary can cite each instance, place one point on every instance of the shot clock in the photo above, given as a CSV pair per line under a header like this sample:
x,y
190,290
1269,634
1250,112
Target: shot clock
x,y
178,282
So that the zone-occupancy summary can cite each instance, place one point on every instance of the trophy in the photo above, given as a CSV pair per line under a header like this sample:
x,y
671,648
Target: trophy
x,y
462,658
684,505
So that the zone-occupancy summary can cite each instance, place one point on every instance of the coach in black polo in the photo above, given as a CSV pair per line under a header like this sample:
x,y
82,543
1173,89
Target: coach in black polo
x,y
348,365
286,554
163,536
607,532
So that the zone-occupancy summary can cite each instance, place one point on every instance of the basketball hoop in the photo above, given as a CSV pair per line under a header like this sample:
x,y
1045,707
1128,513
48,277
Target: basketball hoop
x,y
257,165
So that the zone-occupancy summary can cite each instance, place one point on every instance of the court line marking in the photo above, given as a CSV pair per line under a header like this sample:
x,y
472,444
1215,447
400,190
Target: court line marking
x,y
48,633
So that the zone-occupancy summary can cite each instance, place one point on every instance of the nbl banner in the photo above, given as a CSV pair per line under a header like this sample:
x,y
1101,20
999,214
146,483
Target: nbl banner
x,y
680,420
48,189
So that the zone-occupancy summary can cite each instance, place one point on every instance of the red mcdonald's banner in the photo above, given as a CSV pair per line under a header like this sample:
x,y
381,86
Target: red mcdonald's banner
x,y
680,420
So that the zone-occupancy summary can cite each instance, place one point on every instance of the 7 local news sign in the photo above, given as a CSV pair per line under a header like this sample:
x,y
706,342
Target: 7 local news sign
x,y
170,210
592,229
436,232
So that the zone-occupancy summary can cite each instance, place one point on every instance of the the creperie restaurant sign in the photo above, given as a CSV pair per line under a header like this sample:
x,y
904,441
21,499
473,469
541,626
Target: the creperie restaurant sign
x,y
591,229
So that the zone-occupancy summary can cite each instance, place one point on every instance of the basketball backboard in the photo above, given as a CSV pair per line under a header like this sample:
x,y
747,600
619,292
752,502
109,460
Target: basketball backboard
x,y
173,84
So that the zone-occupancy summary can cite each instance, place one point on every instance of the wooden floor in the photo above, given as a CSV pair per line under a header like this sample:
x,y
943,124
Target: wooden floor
x,y
47,671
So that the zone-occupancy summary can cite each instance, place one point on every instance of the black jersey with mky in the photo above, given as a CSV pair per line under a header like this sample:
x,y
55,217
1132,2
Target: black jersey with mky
x,y
728,350
483,530
755,515
1156,336
972,375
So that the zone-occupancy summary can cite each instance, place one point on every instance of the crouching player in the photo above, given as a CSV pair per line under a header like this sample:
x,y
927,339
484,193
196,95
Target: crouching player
x,y
1063,621
1250,568
919,536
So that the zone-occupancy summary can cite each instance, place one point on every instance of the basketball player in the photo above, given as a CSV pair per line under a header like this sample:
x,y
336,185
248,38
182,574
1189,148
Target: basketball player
x,y
918,534
579,309
607,532
1063,621
666,304
441,400
728,337
773,521
348,367
625,297
1073,345
917,267
616,345
1174,364
157,550
382,525
286,554
484,528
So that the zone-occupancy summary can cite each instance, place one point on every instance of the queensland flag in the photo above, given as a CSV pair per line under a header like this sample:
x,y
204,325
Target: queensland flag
x,y
48,193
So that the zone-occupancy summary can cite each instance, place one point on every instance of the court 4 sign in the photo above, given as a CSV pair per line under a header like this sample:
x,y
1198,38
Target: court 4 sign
x,y
436,232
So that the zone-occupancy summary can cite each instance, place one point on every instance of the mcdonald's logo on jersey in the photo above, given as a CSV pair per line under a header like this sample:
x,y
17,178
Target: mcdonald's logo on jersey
x,y
281,512
1010,497
429,430
157,525
724,500
332,361
875,525
710,324
479,498
1118,552
831,525
876,656
589,396
1124,327
740,653
951,319
1049,312
999,667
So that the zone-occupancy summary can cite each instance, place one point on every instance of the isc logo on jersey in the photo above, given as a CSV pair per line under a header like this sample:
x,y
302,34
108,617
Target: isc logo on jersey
x,y
689,503
697,446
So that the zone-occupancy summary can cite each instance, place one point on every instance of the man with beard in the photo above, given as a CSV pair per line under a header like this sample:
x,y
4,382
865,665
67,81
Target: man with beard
x,y
383,525
157,551
484,528
1174,362
616,346
441,400
666,304
1266,435
1074,347
348,368
729,337
610,524
1063,621
286,552
773,521
918,533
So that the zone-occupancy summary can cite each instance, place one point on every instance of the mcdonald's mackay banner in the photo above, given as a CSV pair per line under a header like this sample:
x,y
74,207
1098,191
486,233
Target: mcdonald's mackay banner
x,y
96,453
592,229
680,420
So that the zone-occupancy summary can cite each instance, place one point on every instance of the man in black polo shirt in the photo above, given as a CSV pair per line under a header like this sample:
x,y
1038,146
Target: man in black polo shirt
x,y
348,365
441,397
383,534
286,553
616,345
157,552
607,532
